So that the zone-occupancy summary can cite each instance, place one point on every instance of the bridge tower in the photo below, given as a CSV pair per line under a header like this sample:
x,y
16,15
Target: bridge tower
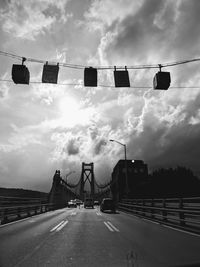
x,y
56,193
87,174
59,194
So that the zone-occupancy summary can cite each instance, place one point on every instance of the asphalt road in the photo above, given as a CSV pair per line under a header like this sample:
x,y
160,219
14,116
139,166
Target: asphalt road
x,y
87,237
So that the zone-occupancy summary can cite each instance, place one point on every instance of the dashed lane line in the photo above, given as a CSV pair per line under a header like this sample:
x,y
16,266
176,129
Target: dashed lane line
x,y
108,226
61,226
53,229
111,225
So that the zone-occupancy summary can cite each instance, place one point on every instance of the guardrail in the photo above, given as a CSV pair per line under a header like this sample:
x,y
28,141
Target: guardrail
x,y
180,212
15,208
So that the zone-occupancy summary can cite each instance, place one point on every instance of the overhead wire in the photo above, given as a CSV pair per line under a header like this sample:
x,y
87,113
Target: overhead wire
x,y
106,86
78,66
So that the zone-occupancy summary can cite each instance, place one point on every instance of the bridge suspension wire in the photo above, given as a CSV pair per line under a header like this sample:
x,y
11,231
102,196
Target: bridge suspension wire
x,y
73,185
80,66
102,186
107,86
105,187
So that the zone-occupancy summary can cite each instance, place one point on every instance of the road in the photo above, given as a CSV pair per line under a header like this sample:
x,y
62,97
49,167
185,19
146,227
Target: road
x,y
87,237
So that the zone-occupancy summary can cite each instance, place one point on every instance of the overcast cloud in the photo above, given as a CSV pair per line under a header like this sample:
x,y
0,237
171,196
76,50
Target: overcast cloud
x,y
46,127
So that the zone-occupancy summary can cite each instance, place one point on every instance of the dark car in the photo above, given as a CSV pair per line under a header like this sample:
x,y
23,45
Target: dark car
x,y
96,203
108,204
78,202
72,204
88,202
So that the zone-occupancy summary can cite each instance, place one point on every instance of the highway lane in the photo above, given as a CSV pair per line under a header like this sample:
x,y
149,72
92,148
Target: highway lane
x,y
87,237
19,238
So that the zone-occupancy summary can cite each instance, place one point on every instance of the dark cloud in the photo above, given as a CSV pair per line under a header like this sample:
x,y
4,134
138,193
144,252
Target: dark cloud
x,y
4,3
183,149
72,147
167,30
187,28
138,34
169,144
98,148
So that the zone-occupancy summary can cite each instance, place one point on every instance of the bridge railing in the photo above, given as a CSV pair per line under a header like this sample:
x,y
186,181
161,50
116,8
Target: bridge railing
x,y
13,208
181,212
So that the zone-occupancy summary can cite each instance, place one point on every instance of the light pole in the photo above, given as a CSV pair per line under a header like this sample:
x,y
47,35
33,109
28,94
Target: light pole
x,y
126,169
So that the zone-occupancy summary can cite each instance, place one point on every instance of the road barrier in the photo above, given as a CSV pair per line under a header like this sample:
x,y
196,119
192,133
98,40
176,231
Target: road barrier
x,y
183,213
15,208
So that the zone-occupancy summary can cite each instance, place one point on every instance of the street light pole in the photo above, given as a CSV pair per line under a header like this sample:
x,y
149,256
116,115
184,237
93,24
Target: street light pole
x,y
126,169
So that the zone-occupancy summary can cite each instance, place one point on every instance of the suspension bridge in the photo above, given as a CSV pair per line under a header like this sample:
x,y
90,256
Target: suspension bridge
x,y
62,191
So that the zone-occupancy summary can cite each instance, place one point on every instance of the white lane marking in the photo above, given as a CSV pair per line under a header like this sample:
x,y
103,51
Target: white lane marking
x,y
31,221
73,213
180,230
108,226
99,214
62,225
150,221
111,225
56,226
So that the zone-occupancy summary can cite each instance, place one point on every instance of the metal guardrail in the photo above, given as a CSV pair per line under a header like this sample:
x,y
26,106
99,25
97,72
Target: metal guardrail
x,y
180,212
15,208
20,200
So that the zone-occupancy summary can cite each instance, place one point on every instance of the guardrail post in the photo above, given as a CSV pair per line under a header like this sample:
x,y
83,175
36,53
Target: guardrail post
x,y
152,210
136,208
28,212
5,215
143,207
133,206
181,213
1,216
164,212
18,212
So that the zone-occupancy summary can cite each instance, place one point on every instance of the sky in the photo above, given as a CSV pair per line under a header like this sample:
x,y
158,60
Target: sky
x,y
45,127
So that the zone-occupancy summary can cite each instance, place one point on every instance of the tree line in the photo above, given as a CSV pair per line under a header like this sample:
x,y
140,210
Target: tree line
x,y
164,183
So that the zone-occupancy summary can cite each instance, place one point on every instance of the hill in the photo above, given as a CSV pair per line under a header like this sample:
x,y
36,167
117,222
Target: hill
x,y
19,192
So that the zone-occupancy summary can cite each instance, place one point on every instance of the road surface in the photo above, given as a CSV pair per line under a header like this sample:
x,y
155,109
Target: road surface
x,y
88,237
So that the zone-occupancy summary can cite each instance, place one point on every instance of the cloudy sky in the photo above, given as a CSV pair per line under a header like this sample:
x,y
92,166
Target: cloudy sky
x,y
45,127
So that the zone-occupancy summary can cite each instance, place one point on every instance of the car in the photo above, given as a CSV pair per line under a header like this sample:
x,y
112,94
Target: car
x,y
88,202
108,204
72,204
96,203
78,202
